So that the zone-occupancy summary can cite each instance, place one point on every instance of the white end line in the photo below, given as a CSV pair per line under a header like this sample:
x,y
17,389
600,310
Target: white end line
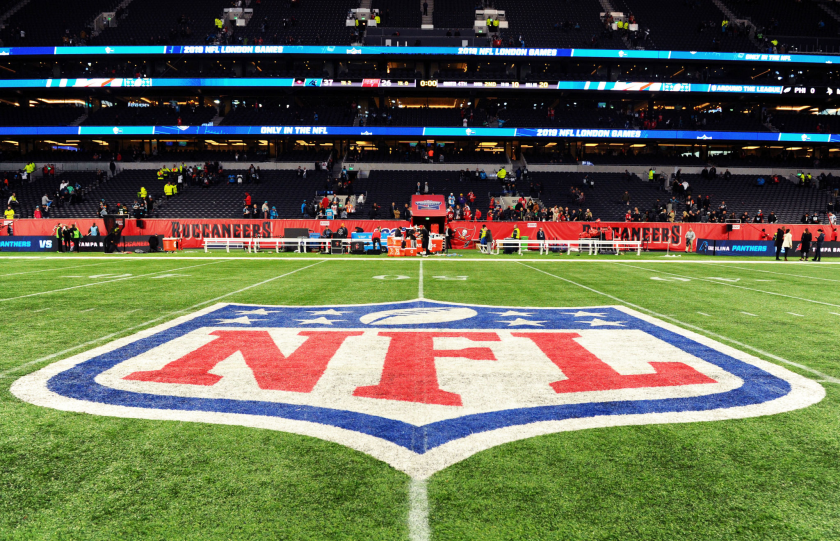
x,y
418,511
826,377
144,324
420,283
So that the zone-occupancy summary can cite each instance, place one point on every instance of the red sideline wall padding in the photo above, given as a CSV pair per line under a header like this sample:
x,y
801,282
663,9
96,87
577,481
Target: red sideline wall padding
x,y
654,235
194,231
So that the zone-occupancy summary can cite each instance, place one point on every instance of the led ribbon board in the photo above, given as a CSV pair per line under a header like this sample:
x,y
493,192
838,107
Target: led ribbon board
x,y
343,50
269,82
419,132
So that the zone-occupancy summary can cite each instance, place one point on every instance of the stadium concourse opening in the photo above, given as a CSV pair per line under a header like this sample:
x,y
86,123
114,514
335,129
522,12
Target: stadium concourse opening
x,y
368,269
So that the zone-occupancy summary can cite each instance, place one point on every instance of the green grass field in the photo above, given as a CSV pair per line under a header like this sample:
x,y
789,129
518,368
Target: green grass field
x,y
78,476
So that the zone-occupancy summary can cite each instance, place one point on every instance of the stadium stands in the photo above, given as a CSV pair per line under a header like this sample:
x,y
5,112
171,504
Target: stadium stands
x,y
309,23
47,23
286,191
294,116
579,24
787,19
159,22
151,116
39,116
688,25
454,14
398,13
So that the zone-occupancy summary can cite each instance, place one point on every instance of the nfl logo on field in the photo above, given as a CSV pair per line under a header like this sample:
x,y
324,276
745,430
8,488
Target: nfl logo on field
x,y
419,384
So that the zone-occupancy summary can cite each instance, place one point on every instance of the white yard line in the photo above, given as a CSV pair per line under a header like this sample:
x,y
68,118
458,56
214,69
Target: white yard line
x,y
51,270
749,314
727,284
104,282
825,377
41,310
88,310
418,511
420,283
787,274
797,315
704,314
146,323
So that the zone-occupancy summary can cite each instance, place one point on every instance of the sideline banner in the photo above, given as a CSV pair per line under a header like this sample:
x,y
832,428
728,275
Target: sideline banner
x,y
654,235
41,243
735,247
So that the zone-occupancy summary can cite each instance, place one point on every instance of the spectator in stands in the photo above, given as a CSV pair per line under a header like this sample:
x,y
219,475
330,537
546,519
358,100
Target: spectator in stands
x,y
265,210
626,198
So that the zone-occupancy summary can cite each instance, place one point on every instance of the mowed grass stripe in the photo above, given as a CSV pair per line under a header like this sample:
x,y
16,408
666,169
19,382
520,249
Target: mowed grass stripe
x,y
56,325
53,269
105,281
747,316
734,285
793,286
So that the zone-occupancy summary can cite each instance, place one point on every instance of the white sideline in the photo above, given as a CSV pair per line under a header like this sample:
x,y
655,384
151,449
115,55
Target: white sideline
x,y
141,325
103,282
396,259
736,286
826,377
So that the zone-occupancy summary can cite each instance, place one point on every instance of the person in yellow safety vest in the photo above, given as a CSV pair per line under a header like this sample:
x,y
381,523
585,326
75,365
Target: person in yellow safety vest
x,y
378,20
774,42
651,172
9,213
515,234
174,188
160,174
495,24
219,23
167,190
501,174
809,177
490,23
30,168
483,234
143,193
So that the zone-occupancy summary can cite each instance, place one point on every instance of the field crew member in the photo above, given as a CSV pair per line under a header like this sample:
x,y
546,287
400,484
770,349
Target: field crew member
x,y
515,234
482,236
77,235
689,240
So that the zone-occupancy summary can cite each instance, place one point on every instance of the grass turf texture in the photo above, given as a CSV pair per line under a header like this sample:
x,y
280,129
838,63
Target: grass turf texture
x,y
75,476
